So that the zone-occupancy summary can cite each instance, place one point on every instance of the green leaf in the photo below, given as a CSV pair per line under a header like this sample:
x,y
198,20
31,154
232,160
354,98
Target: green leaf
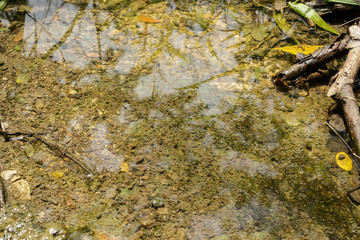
x,y
311,14
284,26
3,4
29,150
350,2
17,48
22,78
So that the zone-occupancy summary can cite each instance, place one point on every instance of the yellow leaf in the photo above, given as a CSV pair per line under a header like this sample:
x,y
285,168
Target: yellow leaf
x,y
344,161
124,167
305,49
148,19
58,174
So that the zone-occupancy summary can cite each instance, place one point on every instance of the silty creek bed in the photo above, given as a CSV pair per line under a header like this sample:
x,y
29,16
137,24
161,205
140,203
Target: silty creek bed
x,y
188,137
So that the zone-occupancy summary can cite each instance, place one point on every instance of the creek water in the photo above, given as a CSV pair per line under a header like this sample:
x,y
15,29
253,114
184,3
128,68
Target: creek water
x,y
171,105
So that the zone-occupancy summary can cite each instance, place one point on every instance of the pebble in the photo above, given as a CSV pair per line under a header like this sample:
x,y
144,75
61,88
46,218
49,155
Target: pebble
x,y
111,193
20,190
4,125
355,196
336,121
10,176
157,202
147,220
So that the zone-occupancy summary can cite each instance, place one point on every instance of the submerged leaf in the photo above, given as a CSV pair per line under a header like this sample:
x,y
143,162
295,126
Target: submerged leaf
x,y
3,4
148,19
311,14
19,36
284,26
22,78
29,150
344,161
124,167
58,173
305,49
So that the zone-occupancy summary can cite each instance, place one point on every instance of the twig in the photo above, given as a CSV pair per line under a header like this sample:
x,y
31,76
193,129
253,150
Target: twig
x,y
65,153
347,145
337,134
346,23
56,147
311,63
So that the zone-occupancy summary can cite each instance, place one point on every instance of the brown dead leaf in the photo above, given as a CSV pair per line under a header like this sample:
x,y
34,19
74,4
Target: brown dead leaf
x,y
145,19
102,235
69,202
19,36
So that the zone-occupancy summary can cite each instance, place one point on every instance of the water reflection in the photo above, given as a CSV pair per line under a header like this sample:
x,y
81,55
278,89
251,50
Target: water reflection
x,y
187,114
84,36
103,159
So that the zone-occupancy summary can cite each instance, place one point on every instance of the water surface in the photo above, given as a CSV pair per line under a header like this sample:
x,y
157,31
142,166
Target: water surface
x,y
187,136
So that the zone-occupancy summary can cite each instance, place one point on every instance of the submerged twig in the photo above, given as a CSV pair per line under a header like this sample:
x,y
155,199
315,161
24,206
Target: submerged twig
x,y
347,145
54,146
2,190
65,153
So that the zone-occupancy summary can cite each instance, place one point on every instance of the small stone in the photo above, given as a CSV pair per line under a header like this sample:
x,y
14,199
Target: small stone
x,y
10,175
157,202
291,121
29,150
40,156
111,192
222,237
334,144
147,220
20,190
55,230
10,95
355,196
336,121
4,125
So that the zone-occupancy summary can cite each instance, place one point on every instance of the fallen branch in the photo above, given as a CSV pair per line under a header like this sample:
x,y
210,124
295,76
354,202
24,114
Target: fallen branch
x,y
342,88
311,62
53,146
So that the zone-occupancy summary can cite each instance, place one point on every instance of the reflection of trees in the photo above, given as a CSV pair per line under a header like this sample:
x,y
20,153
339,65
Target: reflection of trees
x,y
66,35
189,47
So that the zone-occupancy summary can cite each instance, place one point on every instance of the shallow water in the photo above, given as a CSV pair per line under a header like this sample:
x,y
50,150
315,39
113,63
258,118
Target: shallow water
x,y
185,132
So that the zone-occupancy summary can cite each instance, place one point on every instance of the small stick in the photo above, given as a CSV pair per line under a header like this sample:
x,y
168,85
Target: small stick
x,y
346,144
2,185
56,147
2,190
23,135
